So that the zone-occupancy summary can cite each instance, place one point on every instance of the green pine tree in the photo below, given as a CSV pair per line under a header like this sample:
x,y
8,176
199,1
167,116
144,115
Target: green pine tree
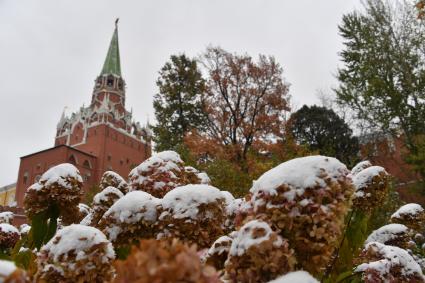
x,y
178,106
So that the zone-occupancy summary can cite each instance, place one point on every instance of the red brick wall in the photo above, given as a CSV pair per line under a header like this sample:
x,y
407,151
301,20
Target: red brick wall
x,y
36,164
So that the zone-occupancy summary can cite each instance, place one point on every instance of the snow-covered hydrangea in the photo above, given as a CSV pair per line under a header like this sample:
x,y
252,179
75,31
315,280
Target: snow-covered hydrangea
x,y
193,214
217,254
360,167
158,174
296,277
112,179
412,215
59,186
84,210
24,229
258,254
9,235
6,217
102,201
392,234
382,263
193,176
306,200
371,187
131,218
232,208
77,253
9,273
162,261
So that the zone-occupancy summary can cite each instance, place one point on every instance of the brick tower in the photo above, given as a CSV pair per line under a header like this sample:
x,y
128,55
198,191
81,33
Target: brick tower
x,y
97,138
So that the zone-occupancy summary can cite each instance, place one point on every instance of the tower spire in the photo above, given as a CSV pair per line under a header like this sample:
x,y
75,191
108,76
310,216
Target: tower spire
x,y
112,63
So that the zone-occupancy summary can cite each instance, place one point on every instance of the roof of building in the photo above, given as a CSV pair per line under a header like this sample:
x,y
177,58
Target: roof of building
x,y
8,187
58,146
112,65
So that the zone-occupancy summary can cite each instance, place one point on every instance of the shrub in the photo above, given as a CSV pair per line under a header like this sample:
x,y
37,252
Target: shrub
x,y
217,254
194,214
77,253
371,188
412,215
306,200
6,217
59,189
382,263
257,254
163,262
112,179
9,236
101,203
131,218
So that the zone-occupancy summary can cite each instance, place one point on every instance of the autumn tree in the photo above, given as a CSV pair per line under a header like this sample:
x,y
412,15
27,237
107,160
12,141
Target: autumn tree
x,y
246,102
178,102
322,130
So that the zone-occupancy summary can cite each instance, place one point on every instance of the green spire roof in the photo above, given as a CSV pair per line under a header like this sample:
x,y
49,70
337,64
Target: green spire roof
x,y
112,63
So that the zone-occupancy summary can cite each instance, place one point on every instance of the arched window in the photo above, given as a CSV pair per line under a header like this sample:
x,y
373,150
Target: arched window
x,y
72,160
25,177
110,81
87,164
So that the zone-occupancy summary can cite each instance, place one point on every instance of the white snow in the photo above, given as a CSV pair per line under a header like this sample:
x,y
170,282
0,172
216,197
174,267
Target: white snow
x,y
169,158
295,277
220,246
387,233
245,238
360,167
204,178
24,228
298,174
6,268
130,209
363,179
78,239
184,201
7,228
392,256
6,216
59,174
103,195
408,209
116,177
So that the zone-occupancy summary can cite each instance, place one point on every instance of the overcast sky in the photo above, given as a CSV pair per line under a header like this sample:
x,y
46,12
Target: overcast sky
x,y
51,52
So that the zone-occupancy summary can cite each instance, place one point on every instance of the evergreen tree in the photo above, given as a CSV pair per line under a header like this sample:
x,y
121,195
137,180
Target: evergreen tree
x,y
177,106
322,130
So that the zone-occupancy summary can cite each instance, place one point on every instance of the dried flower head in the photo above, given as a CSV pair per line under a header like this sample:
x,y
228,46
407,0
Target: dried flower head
x,y
84,210
217,254
112,179
393,235
9,236
305,200
371,188
9,273
158,174
193,176
6,217
382,263
296,277
194,214
164,262
412,215
132,217
59,186
102,202
77,253
360,167
257,254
